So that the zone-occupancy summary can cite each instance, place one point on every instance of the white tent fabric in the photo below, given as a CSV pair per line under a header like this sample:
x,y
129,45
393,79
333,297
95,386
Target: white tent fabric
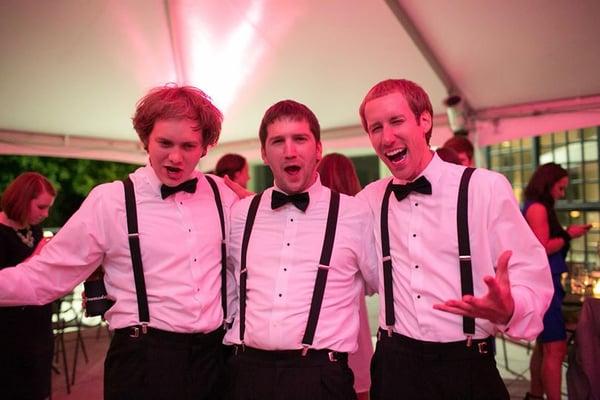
x,y
71,71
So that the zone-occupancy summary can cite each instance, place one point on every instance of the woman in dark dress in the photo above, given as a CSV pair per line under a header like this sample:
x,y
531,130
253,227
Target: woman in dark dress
x,y
26,341
548,184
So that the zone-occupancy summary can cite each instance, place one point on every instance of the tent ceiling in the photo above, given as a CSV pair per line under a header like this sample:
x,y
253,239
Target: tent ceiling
x,y
72,67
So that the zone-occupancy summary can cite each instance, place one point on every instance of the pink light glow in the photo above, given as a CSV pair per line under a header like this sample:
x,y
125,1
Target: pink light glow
x,y
221,45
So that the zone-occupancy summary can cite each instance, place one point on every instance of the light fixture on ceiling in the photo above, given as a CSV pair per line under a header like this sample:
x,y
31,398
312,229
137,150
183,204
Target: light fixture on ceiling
x,y
457,115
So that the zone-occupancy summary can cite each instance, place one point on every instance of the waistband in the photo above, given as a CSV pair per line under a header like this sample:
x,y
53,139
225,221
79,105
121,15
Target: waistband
x,y
139,332
312,355
436,350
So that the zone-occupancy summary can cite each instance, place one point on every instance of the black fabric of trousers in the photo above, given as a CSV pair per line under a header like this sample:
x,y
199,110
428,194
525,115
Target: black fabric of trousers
x,y
407,369
163,365
289,378
26,350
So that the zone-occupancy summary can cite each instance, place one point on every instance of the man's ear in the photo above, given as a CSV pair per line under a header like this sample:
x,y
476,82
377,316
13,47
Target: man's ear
x,y
425,121
263,155
319,151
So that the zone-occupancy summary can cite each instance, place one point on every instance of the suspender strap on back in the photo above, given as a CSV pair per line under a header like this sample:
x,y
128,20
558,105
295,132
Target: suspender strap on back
x,y
390,318
136,257
464,248
243,270
219,203
323,270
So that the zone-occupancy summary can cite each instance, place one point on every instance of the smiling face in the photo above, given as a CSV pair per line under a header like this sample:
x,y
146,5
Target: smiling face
x,y
397,136
292,153
175,148
558,189
39,208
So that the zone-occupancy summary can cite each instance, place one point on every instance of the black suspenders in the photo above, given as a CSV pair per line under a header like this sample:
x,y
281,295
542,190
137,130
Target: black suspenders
x,y
464,247
321,279
464,253
390,318
219,204
136,257
243,270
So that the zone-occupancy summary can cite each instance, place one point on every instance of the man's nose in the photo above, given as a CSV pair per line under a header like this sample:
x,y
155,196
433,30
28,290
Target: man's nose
x,y
289,149
387,136
175,155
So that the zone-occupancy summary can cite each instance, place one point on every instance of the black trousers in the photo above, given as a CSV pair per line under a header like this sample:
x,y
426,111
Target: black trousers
x,y
404,368
164,365
287,375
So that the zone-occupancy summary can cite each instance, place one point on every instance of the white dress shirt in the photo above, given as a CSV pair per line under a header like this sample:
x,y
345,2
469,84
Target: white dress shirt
x,y
180,240
282,260
424,251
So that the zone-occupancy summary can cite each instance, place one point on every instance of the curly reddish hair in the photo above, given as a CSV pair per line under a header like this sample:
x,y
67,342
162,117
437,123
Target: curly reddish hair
x,y
178,102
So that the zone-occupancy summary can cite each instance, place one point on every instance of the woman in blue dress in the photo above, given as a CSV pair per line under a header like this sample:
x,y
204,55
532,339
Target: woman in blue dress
x,y
548,184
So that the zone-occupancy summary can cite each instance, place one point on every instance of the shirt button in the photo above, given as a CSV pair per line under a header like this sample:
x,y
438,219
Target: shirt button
x,y
285,269
181,202
414,235
292,219
194,260
280,294
287,244
418,296
189,230
416,204
416,266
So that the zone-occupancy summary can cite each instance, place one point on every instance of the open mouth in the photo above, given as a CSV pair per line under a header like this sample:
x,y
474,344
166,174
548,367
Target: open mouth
x,y
173,172
397,155
292,169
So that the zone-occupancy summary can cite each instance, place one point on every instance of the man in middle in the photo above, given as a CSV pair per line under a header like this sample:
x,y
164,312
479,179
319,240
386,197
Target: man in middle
x,y
301,255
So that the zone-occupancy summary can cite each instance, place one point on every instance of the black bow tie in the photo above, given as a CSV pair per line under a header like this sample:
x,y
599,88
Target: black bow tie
x,y
300,200
187,186
421,185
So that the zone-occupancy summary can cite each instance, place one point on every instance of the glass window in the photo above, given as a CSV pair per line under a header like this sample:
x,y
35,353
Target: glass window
x,y
577,151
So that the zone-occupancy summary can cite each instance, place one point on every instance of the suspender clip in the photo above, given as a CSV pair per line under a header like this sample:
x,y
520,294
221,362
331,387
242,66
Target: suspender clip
x,y
133,235
304,350
244,271
239,348
325,267
144,327
469,340
390,330
464,258
386,258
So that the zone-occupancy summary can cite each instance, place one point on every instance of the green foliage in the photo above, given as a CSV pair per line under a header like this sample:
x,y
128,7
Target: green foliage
x,y
72,178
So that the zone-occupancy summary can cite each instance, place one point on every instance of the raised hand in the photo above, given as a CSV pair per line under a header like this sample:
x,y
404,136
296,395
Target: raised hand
x,y
496,306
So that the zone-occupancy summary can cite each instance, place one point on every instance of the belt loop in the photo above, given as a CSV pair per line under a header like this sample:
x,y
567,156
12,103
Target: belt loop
x,y
482,347
134,332
331,356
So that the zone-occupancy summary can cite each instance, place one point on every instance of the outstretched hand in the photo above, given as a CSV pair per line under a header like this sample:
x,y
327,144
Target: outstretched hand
x,y
237,189
496,306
